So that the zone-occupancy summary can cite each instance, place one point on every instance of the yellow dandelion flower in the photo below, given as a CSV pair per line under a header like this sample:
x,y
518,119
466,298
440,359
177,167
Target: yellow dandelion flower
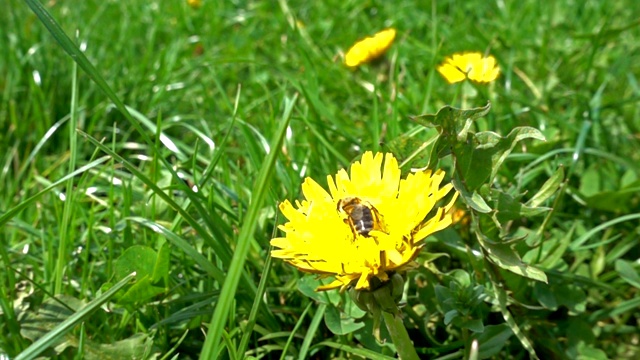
x,y
195,4
473,66
370,48
369,225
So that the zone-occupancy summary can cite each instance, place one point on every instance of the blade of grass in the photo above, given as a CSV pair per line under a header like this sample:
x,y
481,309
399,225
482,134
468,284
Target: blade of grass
x,y
219,247
227,294
294,331
181,244
313,328
257,301
5,217
67,212
367,354
576,245
78,56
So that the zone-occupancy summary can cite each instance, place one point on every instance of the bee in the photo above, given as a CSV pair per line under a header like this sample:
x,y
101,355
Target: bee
x,y
362,217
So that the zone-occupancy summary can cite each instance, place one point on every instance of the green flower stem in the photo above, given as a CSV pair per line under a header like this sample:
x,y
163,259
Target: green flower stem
x,y
400,337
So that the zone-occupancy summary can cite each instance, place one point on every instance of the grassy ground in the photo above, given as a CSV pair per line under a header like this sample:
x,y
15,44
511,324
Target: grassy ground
x,y
209,89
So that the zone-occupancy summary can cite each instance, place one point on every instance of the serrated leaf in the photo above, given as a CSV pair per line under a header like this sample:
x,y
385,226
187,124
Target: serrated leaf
x,y
451,121
340,324
505,257
479,160
473,199
412,149
548,188
510,208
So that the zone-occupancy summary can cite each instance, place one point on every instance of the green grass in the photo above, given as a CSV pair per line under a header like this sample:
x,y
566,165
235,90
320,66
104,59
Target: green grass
x,y
236,100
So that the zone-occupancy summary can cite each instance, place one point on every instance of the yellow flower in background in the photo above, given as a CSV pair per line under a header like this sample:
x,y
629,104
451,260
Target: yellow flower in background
x,y
370,48
473,66
369,225
195,4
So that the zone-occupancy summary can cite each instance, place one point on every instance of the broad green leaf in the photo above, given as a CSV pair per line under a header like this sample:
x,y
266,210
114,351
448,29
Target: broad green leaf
x,y
352,309
545,296
474,325
450,315
161,268
308,285
141,291
571,296
492,340
138,346
138,258
339,323
183,245
618,201
627,272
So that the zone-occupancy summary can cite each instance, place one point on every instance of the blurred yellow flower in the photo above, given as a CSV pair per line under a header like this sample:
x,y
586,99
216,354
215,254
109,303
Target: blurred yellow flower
x,y
369,225
195,4
370,48
472,66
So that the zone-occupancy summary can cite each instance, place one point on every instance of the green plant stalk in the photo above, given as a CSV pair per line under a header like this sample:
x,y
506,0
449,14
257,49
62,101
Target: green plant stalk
x,y
311,331
400,337
65,227
227,294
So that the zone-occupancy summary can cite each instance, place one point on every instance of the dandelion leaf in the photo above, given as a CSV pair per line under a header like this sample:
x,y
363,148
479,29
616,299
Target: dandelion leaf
x,y
50,314
507,258
479,160
509,208
471,198
411,149
450,121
